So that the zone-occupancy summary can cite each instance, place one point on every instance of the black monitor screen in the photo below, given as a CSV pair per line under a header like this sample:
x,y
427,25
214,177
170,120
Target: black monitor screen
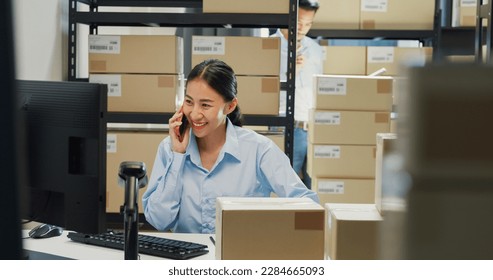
x,y
66,139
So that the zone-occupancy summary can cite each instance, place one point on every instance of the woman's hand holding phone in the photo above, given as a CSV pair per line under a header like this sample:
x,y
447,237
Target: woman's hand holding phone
x,y
179,132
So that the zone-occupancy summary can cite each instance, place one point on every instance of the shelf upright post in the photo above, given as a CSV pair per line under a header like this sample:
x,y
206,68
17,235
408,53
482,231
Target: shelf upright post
x,y
291,78
72,41
483,12
437,33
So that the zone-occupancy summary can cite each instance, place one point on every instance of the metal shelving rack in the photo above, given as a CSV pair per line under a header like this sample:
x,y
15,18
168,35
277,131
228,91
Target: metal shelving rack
x,y
94,19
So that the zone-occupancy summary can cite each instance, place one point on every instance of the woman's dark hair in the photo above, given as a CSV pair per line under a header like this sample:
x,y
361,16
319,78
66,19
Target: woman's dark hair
x,y
310,5
221,77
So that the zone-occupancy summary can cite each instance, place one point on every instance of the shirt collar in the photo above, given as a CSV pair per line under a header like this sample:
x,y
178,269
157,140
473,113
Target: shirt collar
x,y
231,146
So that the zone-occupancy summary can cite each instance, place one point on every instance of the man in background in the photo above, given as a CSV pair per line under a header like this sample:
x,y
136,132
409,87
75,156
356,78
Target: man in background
x,y
309,62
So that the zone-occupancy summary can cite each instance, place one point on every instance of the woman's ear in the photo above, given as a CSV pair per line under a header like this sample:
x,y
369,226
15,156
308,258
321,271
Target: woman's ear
x,y
230,107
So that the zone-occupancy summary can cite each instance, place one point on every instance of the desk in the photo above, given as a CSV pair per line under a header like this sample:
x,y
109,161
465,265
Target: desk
x,y
62,246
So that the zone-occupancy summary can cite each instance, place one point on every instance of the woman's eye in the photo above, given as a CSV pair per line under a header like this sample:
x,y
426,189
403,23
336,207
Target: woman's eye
x,y
188,102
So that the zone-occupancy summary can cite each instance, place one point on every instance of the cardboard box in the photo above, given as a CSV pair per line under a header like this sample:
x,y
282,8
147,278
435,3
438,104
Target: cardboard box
x,y
352,231
131,54
248,56
246,6
345,60
397,14
141,92
385,146
346,127
341,161
433,230
277,138
345,92
128,146
258,95
337,14
342,190
395,60
268,228
464,13
443,125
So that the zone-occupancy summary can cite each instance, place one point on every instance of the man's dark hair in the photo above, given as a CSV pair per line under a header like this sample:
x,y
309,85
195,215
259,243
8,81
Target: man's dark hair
x,y
310,5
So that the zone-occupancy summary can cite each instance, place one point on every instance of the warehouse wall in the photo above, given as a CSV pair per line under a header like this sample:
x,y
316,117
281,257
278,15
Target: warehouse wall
x,y
38,38
40,29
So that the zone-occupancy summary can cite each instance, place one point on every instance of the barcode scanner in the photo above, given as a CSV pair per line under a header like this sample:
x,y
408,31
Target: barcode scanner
x,y
131,174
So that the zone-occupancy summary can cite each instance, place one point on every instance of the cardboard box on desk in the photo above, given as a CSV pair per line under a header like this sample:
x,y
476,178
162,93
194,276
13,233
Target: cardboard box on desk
x,y
349,92
397,14
343,190
395,60
337,14
341,161
269,229
246,6
352,231
141,92
345,60
248,56
258,95
144,54
346,127
128,146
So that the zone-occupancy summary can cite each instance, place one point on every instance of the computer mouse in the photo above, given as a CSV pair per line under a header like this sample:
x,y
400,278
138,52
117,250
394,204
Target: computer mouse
x,y
45,231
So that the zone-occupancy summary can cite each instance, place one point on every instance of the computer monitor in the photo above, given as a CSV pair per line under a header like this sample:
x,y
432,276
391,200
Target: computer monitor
x,y
66,150
11,160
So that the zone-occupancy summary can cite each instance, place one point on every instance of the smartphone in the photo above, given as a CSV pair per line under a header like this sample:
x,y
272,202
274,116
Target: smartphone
x,y
183,125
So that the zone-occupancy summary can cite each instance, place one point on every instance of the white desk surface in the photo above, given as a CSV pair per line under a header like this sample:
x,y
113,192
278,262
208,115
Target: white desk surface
x,y
62,246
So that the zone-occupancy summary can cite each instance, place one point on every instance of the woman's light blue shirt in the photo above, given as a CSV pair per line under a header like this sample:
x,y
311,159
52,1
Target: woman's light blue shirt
x,y
181,195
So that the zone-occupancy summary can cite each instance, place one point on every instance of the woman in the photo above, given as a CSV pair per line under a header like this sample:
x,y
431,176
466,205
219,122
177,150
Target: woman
x,y
212,157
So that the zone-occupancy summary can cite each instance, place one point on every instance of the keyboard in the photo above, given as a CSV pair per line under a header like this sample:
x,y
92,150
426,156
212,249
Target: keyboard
x,y
149,245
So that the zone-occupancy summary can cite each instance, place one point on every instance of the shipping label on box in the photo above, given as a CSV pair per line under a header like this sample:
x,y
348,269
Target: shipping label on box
x,y
397,14
346,127
341,161
343,190
396,59
248,56
346,92
142,92
132,54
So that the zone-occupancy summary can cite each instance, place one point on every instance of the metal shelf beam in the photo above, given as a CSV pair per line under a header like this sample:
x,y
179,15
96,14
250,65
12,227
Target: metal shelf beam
x,y
182,19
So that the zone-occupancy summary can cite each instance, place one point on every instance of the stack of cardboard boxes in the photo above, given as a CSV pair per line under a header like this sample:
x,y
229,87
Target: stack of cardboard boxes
x,y
144,74
349,112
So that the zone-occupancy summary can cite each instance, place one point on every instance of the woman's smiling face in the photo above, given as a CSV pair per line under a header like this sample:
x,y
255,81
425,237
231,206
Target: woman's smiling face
x,y
205,109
